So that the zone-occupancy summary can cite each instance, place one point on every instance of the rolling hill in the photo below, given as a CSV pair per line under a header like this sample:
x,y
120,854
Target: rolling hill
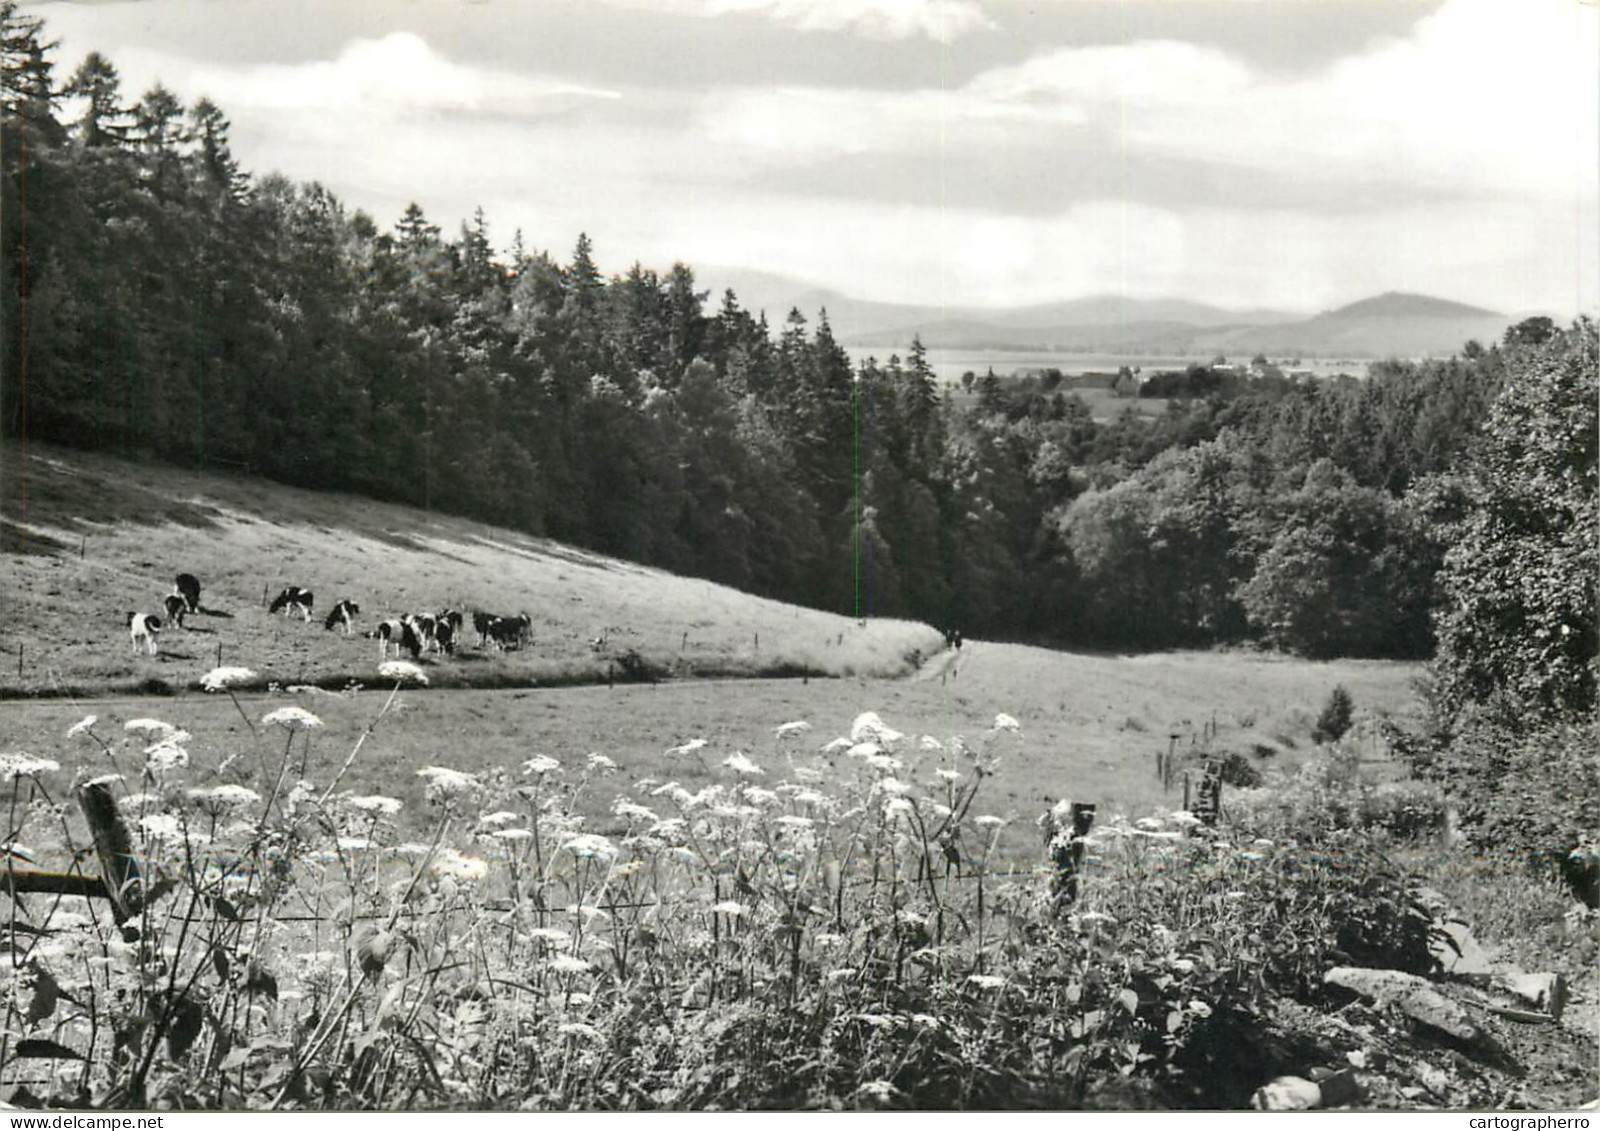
x,y
86,538
1394,324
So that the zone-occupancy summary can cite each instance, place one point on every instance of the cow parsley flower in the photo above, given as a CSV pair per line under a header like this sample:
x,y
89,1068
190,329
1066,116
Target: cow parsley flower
x,y
150,728
949,775
741,764
165,756
567,964
291,718
224,798
632,811
791,730
375,803
837,745
591,846
453,864
600,764
541,764
931,744
552,935
689,747
220,679
445,784
869,726
729,907
19,765
1004,721
986,981
512,834
82,725
162,826
402,671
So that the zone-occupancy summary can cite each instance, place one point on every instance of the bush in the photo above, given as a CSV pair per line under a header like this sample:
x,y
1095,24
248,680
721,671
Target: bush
x,y
1335,717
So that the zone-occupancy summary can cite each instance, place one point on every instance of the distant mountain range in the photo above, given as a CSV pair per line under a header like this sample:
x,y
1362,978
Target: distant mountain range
x,y
1390,325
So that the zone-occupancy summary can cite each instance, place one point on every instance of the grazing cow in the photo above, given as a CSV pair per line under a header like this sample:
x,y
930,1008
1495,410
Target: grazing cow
x,y
189,590
343,616
510,632
176,606
293,599
401,635
423,624
441,630
142,631
484,623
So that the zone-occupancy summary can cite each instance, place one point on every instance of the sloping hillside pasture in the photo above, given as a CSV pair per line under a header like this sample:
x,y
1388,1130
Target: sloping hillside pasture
x,y
88,538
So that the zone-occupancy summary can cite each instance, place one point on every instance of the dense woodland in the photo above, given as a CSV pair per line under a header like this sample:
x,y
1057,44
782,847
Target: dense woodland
x,y
161,302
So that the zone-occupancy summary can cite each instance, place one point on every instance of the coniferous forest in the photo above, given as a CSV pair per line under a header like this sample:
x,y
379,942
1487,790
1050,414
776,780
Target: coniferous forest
x,y
162,302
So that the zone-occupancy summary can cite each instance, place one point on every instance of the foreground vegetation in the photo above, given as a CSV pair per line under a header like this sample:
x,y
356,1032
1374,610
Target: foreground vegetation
x,y
784,935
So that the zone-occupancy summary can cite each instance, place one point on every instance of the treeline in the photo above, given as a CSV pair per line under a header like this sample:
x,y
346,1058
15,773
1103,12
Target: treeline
x,y
161,302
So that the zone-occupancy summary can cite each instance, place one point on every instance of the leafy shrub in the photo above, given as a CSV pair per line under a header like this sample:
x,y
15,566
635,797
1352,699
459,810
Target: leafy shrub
x,y
1237,770
1335,717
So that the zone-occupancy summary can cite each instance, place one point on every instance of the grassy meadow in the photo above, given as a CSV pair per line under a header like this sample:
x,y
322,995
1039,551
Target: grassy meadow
x,y
85,538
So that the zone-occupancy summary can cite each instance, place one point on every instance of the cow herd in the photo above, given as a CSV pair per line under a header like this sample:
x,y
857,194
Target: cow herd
x,y
415,633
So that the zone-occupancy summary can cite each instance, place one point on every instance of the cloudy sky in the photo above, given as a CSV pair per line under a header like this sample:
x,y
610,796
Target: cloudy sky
x,y
1288,153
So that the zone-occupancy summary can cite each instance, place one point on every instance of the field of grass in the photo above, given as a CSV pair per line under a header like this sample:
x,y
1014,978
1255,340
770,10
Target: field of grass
x,y
85,538
1090,726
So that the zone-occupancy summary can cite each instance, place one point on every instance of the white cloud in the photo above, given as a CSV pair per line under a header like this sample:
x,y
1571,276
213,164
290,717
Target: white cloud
x,y
1483,98
397,74
941,20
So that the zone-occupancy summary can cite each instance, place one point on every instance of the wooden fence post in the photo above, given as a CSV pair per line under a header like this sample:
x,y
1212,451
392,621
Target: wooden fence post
x,y
1066,851
119,873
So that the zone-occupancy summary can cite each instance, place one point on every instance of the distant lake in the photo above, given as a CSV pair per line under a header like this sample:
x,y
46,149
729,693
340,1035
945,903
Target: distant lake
x,y
950,364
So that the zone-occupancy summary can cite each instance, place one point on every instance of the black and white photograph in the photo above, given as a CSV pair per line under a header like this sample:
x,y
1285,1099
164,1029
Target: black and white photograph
x,y
676,556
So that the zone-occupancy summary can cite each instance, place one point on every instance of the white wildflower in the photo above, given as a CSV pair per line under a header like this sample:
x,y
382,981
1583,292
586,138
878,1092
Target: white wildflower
x,y
790,730
375,803
689,747
353,843
739,763
1184,819
632,811
989,821
580,1029
162,826
986,981
401,671
864,750
165,756
1149,824
150,728
568,964
949,775
19,765
869,725
444,782
291,718
1004,721
553,935
541,764
82,725
591,846
881,1090
837,745
885,763
222,798
758,796
898,807
790,821
512,834
1198,1008
729,907
600,764
931,744
451,863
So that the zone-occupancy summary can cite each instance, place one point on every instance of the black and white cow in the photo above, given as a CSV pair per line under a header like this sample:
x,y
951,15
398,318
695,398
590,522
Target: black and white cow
x,y
189,589
401,635
510,632
142,631
483,623
175,606
444,627
343,616
293,599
